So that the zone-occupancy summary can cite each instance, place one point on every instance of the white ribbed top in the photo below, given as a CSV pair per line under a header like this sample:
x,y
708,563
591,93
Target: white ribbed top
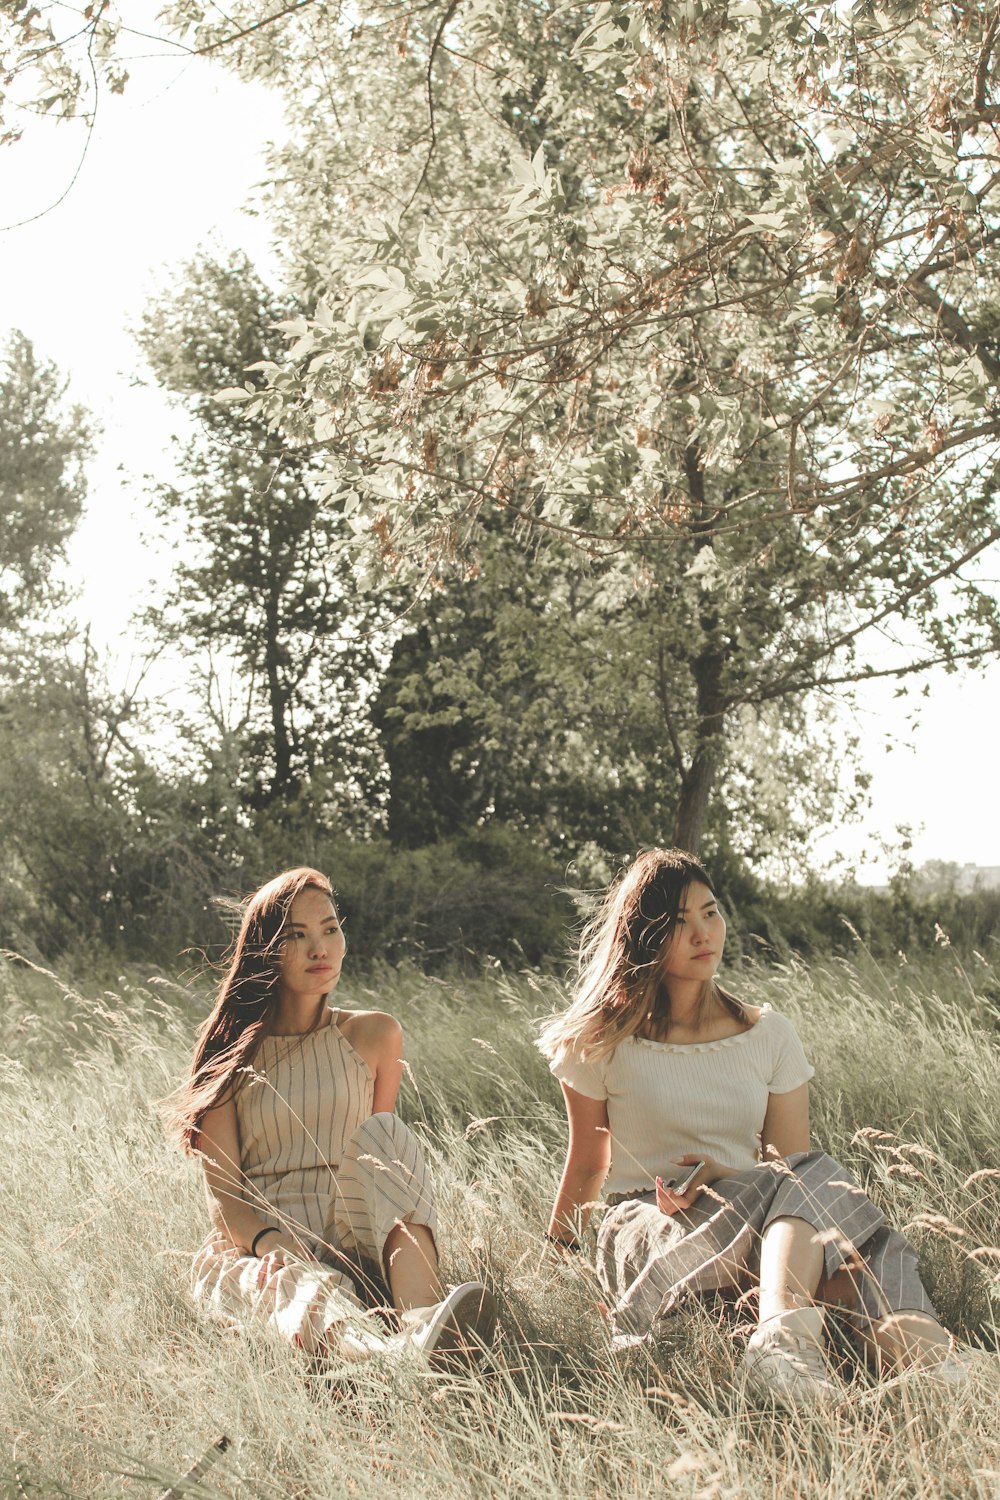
x,y
305,1099
668,1099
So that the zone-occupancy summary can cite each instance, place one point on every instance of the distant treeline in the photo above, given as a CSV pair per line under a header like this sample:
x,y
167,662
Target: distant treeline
x,y
491,893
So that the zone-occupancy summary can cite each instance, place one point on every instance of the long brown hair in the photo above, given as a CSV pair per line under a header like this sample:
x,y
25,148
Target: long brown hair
x,y
246,1003
621,986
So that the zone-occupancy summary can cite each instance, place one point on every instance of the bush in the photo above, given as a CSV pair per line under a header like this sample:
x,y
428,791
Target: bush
x,y
818,919
492,893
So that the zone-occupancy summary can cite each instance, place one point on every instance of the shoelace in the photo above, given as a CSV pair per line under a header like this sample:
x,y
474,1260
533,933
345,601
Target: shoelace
x,y
803,1355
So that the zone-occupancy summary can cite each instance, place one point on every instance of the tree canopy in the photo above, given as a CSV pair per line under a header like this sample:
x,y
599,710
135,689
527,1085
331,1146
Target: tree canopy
x,y
262,575
43,448
697,294
695,300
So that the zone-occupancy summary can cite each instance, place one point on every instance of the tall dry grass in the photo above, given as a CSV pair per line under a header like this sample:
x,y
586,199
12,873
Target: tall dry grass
x,y
110,1386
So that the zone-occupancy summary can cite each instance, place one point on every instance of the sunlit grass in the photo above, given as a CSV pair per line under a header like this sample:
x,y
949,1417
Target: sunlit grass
x,y
110,1385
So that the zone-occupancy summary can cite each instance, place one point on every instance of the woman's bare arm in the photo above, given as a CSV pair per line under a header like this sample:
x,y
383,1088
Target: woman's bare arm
x,y
378,1038
226,1188
587,1160
786,1123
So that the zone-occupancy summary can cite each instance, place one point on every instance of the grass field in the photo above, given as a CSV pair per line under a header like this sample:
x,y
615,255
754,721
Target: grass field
x,y
110,1386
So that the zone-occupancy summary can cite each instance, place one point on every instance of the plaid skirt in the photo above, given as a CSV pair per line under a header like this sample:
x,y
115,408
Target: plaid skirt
x,y
649,1262
381,1182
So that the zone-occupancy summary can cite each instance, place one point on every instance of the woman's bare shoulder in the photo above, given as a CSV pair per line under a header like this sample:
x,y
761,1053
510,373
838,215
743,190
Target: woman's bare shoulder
x,y
368,1025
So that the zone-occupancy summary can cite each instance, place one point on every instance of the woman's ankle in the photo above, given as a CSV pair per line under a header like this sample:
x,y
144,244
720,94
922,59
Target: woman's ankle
x,y
803,1322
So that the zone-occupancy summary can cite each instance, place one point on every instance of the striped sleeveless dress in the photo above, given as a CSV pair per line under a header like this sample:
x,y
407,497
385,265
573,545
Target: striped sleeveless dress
x,y
317,1162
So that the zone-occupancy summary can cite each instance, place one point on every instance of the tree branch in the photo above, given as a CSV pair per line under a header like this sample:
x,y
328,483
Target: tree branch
x,y
952,321
807,684
918,459
438,36
789,684
983,63
668,718
237,36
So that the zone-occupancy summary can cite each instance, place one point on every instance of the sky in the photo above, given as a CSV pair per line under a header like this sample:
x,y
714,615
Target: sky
x,y
169,168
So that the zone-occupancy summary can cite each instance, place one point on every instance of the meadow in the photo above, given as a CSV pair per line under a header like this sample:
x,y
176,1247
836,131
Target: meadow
x,y
111,1386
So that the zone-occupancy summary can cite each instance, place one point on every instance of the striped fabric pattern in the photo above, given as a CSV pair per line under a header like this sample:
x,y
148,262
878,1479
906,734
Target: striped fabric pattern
x,y
382,1182
296,1112
321,1165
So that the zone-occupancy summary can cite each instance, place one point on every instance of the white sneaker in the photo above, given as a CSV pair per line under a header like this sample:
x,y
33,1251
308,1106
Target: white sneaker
x,y
953,1368
351,1341
790,1368
459,1327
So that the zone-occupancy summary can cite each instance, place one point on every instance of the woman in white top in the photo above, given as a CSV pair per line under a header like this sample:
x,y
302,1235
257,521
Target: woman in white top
x,y
661,1068
320,1203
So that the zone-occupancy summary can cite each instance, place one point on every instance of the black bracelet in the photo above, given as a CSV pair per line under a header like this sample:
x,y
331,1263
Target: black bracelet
x,y
268,1229
573,1246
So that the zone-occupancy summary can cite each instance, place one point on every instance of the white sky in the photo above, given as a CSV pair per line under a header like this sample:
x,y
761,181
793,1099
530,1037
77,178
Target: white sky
x,y
169,167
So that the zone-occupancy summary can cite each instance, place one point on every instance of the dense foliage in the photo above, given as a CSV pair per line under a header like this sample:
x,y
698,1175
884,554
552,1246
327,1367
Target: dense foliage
x,y
693,295
630,391
261,602
43,447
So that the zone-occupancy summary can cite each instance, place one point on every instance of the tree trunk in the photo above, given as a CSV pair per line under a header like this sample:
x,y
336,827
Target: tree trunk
x,y
282,783
696,791
698,780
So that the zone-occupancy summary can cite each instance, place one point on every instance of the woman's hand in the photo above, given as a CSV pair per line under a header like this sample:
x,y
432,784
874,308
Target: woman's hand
x,y
281,1250
669,1202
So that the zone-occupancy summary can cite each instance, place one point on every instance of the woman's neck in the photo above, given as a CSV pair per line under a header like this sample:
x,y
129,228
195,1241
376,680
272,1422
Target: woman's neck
x,y
685,1012
688,1007
295,1015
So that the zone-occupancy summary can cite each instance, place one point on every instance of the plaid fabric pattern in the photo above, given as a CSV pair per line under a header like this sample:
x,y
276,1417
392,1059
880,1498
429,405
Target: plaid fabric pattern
x,y
649,1262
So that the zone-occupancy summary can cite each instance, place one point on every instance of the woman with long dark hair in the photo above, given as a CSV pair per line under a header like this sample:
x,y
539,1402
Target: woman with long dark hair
x,y
322,1211
663,1069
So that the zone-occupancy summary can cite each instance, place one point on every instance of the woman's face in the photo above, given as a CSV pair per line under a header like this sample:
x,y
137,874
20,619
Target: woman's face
x,y
312,946
694,948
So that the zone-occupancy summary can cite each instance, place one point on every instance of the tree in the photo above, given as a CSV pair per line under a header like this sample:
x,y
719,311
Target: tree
x,y
263,579
46,71
533,694
495,708
43,449
82,810
695,290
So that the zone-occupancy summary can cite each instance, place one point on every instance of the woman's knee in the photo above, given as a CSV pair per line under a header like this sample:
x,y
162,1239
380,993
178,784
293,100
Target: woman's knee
x,y
385,1126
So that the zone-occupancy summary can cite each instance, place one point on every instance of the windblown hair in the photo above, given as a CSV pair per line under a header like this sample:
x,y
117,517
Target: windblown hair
x,y
621,988
245,1006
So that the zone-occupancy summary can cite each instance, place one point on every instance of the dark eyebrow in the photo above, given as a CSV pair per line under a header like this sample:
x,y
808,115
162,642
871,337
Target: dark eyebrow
x,y
703,907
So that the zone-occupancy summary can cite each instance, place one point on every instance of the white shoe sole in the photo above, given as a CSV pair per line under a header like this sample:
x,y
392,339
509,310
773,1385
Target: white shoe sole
x,y
462,1325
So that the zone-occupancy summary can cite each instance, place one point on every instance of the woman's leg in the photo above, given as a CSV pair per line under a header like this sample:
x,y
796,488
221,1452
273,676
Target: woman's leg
x,y
309,1305
815,1217
891,1312
385,1207
411,1266
910,1338
791,1267
903,1338
785,1359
